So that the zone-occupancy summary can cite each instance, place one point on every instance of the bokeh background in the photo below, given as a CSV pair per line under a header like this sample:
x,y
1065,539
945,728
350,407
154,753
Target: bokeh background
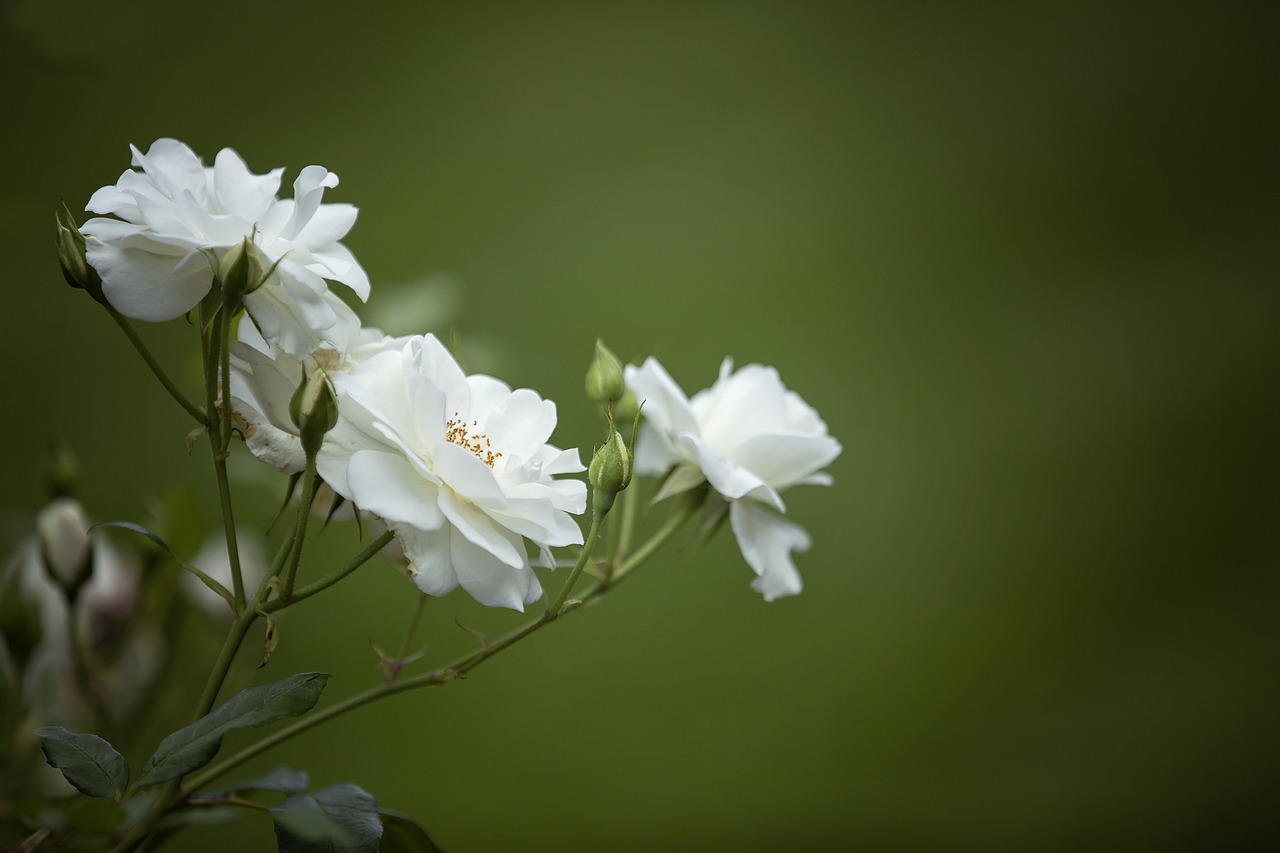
x,y
1022,258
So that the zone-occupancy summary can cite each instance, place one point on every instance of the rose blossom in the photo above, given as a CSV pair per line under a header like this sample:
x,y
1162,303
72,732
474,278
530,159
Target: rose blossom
x,y
749,438
458,467
177,218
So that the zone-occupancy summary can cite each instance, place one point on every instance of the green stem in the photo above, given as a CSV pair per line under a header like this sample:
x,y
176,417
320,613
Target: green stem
x,y
459,667
300,529
677,518
413,625
222,665
224,350
213,350
554,610
181,399
630,506
324,583
140,834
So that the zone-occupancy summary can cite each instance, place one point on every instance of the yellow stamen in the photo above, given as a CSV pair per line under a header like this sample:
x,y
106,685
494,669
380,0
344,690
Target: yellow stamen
x,y
458,432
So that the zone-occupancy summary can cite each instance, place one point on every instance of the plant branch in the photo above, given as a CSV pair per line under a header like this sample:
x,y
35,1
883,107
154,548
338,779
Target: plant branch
x,y
181,399
329,580
300,529
458,668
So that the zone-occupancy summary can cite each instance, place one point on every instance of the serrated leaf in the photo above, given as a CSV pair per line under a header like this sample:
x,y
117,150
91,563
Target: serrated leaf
x,y
217,588
283,779
87,761
340,819
195,745
402,834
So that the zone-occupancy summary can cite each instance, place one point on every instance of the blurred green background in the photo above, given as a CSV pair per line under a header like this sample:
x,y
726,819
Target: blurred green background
x,y
1023,259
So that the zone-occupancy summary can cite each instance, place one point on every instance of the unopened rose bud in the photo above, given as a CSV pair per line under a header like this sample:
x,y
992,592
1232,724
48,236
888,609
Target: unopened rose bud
x,y
75,268
604,376
314,409
610,471
240,272
63,531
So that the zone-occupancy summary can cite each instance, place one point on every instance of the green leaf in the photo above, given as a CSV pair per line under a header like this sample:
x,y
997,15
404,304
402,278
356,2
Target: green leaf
x,y
402,834
87,761
216,587
281,779
197,744
341,819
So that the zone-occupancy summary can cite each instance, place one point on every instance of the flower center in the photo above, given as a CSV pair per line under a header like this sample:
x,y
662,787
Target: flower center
x,y
458,432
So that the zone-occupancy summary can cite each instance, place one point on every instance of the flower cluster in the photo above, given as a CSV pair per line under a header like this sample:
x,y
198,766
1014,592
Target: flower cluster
x,y
458,467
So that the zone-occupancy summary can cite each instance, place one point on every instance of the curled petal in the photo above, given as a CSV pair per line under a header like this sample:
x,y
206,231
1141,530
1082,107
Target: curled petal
x,y
767,540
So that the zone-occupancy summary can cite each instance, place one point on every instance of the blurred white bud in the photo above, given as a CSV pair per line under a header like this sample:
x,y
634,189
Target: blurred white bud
x,y
63,530
212,559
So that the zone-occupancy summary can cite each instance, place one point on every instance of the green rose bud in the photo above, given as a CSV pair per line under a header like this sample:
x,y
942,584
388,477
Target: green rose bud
x,y
604,376
240,272
71,257
610,471
314,409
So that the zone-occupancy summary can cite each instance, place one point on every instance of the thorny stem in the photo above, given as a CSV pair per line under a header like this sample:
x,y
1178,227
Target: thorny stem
x,y
450,672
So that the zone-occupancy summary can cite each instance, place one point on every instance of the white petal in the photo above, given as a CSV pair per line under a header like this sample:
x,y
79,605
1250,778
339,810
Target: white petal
x,y
240,192
730,480
784,460
655,451
767,540
540,521
481,530
268,443
149,287
308,189
520,425
664,404
740,405
115,201
387,485
467,476
173,168
430,560
488,580
342,266
329,224
682,479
